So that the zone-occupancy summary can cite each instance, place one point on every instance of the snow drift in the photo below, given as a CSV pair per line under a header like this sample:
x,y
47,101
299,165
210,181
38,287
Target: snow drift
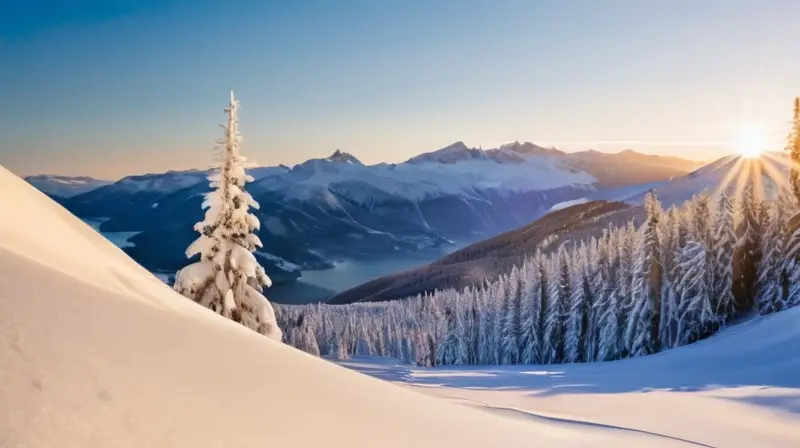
x,y
96,351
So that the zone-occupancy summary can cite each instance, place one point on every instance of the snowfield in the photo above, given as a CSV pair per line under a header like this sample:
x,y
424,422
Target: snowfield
x,y
97,352
739,388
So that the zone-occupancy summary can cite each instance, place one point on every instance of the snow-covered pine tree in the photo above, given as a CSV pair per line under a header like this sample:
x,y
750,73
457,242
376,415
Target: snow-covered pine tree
x,y
747,254
472,324
560,295
792,268
577,319
516,306
509,342
530,315
452,349
642,330
773,287
624,259
722,249
608,307
696,284
545,278
792,263
591,298
793,148
485,326
671,247
227,278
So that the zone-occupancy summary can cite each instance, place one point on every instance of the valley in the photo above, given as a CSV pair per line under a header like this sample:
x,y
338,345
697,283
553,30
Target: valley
x,y
320,285
313,285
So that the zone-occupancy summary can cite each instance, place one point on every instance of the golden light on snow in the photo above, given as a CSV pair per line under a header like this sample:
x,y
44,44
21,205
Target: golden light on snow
x,y
761,170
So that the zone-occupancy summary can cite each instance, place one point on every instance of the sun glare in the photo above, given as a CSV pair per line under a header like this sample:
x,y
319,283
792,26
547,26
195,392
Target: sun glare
x,y
750,143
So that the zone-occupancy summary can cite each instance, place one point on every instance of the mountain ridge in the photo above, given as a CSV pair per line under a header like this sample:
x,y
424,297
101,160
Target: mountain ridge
x,y
336,207
497,255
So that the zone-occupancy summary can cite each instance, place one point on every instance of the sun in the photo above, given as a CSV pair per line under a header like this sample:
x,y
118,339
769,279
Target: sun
x,y
750,143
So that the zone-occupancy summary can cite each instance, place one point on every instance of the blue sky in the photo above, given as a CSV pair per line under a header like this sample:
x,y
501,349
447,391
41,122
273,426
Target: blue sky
x,y
108,88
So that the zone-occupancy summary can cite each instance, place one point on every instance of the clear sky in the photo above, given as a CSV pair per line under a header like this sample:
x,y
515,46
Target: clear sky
x,y
114,87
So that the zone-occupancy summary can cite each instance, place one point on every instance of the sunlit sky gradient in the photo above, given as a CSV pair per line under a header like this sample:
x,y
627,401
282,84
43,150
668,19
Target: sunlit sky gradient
x,y
108,88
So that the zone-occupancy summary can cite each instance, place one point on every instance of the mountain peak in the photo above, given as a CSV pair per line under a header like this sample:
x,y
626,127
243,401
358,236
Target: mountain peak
x,y
457,146
528,148
450,154
340,156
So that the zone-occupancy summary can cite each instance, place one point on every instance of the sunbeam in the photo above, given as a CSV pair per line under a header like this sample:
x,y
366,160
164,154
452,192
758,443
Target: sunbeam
x,y
733,172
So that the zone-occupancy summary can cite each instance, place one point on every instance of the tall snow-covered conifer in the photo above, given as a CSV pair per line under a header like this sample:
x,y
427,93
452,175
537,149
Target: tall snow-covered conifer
x,y
722,256
227,278
793,147
748,251
643,325
530,313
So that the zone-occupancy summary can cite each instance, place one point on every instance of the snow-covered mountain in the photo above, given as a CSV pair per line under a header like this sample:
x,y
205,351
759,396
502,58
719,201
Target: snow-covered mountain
x,y
65,186
339,207
766,174
98,352
454,170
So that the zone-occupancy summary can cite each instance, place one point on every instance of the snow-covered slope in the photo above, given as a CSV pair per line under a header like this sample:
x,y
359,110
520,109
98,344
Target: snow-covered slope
x,y
65,186
767,174
739,388
97,352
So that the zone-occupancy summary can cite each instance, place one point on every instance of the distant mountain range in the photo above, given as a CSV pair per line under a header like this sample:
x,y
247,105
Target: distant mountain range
x,y
337,207
65,186
574,222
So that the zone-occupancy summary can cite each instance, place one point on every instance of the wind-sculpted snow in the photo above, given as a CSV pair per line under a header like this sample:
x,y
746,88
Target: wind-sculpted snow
x,y
97,352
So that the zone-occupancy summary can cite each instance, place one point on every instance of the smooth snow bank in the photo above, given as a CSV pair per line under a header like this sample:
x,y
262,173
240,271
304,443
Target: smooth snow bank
x,y
565,204
739,388
97,352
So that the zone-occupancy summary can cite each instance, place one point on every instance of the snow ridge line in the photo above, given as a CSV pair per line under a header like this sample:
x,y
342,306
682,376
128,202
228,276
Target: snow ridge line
x,y
571,421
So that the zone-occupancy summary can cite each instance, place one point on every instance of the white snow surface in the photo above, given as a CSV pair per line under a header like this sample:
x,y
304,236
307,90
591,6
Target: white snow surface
x,y
565,204
739,388
98,352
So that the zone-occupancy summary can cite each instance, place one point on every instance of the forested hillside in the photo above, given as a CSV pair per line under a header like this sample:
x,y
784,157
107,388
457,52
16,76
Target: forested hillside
x,y
680,277
495,256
